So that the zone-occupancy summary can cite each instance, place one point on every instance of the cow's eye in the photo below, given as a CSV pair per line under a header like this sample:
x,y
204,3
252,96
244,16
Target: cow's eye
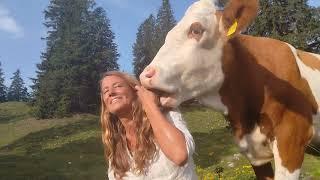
x,y
196,31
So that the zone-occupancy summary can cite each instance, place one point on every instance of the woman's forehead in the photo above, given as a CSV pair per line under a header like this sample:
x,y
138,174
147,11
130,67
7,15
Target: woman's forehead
x,y
112,79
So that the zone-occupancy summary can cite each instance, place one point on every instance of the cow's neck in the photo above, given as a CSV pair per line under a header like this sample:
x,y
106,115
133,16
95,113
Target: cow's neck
x,y
234,73
213,100
239,91
233,89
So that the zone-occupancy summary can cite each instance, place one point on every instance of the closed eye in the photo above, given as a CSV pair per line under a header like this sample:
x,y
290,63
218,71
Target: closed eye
x,y
117,85
105,91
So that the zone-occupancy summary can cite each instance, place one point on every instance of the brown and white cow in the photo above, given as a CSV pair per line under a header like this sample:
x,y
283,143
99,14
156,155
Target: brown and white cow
x,y
269,90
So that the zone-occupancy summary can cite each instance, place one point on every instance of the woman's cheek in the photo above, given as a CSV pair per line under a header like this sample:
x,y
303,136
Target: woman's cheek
x,y
105,100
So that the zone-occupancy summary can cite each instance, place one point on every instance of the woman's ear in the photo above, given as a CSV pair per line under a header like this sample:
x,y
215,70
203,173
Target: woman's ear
x,y
237,16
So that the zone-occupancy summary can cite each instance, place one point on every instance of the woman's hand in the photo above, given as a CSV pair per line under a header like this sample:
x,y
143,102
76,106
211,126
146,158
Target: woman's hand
x,y
148,98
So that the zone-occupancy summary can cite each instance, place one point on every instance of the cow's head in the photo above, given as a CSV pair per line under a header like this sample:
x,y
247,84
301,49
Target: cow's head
x,y
189,63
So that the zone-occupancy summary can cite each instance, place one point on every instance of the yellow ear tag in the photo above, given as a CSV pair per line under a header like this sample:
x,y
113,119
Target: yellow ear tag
x,y
233,28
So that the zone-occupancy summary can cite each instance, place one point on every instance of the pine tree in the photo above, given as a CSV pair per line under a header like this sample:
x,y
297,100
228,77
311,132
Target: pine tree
x,y
151,36
3,88
164,23
144,49
80,45
292,21
17,90
314,37
98,54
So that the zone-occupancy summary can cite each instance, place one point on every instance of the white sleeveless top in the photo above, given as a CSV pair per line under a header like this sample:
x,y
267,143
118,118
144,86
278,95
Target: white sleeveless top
x,y
162,168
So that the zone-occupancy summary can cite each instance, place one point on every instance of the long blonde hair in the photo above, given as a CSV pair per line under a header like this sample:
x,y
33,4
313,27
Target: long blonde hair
x,y
114,137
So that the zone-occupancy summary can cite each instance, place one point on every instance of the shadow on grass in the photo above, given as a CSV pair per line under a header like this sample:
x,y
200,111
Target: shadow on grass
x,y
213,147
80,159
77,160
32,142
6,117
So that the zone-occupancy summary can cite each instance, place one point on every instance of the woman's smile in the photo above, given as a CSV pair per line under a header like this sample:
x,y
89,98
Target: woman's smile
x,y
115,99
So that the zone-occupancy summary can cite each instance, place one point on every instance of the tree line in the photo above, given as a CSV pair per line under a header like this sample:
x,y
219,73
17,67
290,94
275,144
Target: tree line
x,y
80,45
17,91
292,21
151,35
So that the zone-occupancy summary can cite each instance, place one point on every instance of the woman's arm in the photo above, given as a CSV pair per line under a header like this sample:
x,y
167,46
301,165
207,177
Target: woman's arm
x,y
170,139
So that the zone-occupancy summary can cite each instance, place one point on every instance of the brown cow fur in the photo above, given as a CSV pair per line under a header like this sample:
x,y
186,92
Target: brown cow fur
x,y
273,95
309,60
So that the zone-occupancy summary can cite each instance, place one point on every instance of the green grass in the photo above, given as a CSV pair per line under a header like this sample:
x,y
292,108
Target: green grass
x,y
69,151
216,154
14,111
16,129
70,148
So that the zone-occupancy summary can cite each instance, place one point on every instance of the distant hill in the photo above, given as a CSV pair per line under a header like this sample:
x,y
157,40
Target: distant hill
x,y
14,111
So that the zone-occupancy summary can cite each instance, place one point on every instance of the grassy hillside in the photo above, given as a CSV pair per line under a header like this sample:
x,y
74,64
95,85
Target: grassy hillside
x,y
16,122
13,111
70,148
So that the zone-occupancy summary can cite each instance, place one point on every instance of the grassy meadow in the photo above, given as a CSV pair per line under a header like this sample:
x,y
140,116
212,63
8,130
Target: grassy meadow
x,y
70,148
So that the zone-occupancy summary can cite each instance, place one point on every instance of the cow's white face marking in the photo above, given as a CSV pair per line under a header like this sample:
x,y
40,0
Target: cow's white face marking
x,y
256,147
213,99
189,63
282,172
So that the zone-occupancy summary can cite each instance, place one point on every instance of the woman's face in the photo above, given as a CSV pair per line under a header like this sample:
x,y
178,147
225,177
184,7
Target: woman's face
x,y
117,95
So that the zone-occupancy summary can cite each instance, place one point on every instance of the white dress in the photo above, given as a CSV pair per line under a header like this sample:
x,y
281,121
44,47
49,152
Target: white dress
x,y
162,168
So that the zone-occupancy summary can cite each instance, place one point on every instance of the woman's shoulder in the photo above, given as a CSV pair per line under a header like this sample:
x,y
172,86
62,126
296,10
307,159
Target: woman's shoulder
x,y
173,114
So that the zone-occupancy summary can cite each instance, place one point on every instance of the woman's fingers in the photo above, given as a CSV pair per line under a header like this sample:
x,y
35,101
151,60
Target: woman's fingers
x,y
146,96
137,87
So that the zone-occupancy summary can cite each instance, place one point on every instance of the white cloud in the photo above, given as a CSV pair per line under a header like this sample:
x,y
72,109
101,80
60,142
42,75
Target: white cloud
x,y
8,23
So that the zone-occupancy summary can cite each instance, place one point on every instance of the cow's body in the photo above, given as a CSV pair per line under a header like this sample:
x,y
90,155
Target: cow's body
x,y
269,91
269,103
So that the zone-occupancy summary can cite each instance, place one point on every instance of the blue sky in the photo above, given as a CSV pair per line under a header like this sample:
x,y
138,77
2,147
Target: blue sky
x,y
21,29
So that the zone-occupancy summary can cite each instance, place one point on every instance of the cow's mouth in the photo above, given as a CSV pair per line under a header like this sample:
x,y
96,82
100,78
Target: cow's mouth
x,y
166,99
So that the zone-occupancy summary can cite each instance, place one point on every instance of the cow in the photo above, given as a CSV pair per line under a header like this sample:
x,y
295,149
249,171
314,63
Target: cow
x,y
268,90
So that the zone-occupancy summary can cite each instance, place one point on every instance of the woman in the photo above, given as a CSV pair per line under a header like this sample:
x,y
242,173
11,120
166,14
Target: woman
x,y
140,141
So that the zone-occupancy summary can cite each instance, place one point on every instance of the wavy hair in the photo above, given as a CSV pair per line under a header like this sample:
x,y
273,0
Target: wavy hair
x,y
114,137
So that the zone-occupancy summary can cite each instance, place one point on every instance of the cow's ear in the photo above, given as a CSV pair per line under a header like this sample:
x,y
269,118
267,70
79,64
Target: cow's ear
x,y
237,15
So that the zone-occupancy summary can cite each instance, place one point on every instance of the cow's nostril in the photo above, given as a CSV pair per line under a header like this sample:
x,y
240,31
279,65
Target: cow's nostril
x,y
150,72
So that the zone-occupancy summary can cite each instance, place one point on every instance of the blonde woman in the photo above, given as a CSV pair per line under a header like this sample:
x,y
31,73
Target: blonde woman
x,y
141,141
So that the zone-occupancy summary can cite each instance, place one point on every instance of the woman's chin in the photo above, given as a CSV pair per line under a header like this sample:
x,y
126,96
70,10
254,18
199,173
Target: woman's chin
x,y
119,110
